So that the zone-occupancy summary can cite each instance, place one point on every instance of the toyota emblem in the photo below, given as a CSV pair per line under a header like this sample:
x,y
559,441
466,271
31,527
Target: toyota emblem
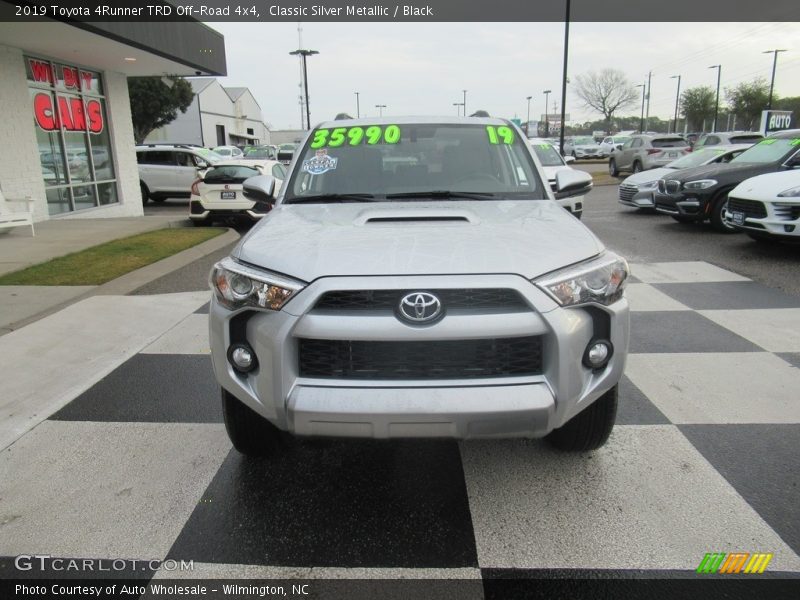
x,y
420,307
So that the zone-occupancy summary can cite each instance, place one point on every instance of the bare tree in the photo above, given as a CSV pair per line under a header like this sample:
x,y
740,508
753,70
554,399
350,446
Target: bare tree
x,y
606,92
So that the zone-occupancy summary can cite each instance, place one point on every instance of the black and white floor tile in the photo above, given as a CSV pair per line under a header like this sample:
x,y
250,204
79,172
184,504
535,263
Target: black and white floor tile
x,y
136,463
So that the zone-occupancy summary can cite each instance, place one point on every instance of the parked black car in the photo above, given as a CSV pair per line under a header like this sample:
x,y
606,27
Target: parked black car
x,y
702,193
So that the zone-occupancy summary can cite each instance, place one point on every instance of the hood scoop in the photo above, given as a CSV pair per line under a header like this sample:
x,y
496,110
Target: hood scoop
x,y
413,217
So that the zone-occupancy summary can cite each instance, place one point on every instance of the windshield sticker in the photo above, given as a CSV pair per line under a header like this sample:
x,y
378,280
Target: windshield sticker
x,y
795,142
321,163
767,142
500,135
353,136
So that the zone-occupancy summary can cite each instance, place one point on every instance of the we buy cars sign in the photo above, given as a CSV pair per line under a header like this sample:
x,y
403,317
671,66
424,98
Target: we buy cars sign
x,y
53,112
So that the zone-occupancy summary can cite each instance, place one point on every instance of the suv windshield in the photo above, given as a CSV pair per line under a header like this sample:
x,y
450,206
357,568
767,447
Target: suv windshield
x,y
768,150
583,141
209,155
547,155
260,152
696,158
425,160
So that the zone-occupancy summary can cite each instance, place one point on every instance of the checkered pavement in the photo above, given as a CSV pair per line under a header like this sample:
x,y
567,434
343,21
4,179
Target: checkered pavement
x,y
128,458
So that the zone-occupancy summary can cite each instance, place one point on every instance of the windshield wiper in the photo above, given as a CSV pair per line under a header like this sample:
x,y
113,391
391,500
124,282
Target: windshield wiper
x,y
438,194
323,198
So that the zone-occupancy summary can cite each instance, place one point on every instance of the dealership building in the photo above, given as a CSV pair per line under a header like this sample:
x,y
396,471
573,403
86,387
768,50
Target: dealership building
x,y
66,132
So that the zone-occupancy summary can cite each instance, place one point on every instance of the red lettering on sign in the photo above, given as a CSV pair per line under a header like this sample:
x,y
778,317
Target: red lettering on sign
x,y
87,80
43,112
78,117
95,113
71,77
65,114
42,72
72,114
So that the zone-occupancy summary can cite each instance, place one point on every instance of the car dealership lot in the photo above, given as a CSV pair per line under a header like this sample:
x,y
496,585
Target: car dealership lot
x,y
133,454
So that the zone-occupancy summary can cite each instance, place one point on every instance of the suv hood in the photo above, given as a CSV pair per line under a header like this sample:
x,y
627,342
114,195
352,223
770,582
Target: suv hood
x,y
726,173
528,238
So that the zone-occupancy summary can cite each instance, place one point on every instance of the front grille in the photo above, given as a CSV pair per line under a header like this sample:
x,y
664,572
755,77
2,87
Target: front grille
x,y
447,359
472,298
670,186
751,208
627,192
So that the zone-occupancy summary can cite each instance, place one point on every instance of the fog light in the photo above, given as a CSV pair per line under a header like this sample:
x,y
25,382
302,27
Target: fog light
x,y
597,354
242,357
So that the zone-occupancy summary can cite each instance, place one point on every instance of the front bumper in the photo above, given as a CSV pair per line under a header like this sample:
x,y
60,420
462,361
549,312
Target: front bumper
x,y
774,219
632,195
694,204
504,406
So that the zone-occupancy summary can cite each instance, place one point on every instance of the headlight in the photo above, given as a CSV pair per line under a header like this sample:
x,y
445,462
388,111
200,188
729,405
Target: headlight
x,y
600,280
790,193
700,184
237,286
650,185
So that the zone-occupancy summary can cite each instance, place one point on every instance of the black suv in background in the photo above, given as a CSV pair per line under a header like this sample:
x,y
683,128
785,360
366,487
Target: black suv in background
x,y
701,193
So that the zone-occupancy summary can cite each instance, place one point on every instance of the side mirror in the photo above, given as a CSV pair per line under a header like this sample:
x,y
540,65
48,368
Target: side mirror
x,y
569,159
260,188
571,182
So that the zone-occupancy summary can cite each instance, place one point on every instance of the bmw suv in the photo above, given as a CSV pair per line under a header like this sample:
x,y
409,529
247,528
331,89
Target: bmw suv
x,y
701,193
416,278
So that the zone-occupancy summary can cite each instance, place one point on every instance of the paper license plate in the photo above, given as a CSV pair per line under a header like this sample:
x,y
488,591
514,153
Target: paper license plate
x,y
227,195
737,217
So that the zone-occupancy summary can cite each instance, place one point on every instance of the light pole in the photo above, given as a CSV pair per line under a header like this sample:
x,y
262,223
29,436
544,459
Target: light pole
x,y
528,121
546,121
716,102
358,106
304,53
380,107
464,102
641,119
772,80
677,98
564,81
458,106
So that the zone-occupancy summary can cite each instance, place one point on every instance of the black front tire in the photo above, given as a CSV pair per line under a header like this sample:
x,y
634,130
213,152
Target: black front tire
x,y
250,433
145,192
590,428
717,222
637,167
612,168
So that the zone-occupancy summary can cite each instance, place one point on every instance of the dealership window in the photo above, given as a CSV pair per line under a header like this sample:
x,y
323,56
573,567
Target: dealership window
x,y
71,125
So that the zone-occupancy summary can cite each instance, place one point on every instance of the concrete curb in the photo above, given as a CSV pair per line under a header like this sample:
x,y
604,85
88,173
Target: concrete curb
x,y
135,279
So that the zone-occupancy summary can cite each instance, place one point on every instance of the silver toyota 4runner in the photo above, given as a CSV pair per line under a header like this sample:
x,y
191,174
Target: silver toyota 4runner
x,y
416,278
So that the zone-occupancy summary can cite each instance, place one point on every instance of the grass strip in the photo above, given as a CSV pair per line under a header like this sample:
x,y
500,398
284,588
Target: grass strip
x,y
102,263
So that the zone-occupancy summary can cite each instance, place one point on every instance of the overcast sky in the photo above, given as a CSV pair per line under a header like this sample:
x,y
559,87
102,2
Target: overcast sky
x,y
420,69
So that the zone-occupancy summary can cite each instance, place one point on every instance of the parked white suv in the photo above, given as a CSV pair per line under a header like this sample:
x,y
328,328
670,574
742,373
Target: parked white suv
x,y
168,170
416,278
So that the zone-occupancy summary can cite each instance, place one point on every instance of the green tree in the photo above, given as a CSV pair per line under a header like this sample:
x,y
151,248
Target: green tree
x,y
747,100
606,92
697,106
792,104
155,102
